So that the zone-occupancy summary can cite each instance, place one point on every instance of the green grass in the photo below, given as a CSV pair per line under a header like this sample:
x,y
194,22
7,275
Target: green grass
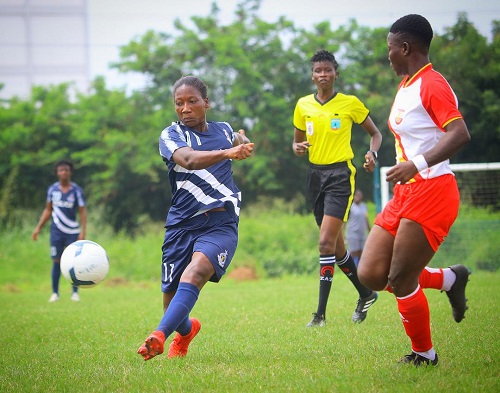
x,y
253,339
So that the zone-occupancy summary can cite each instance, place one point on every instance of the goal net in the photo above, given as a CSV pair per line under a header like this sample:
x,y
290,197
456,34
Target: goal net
x,y
474,238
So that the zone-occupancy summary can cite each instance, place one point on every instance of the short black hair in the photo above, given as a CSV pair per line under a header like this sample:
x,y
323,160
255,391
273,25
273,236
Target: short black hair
x,y
64,163
413,27
193,81
324,55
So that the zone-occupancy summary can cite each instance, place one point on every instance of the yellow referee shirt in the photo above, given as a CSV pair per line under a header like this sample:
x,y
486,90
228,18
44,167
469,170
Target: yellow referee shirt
x,y
328,126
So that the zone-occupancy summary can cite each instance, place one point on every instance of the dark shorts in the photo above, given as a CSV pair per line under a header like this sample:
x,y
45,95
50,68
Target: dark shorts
x,y
59,241
215,234
330,189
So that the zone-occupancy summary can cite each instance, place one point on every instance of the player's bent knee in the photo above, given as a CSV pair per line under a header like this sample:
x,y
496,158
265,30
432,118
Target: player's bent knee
x,y
370,278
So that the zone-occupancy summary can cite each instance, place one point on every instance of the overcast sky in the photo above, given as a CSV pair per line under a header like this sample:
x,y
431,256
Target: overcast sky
x,y
117,22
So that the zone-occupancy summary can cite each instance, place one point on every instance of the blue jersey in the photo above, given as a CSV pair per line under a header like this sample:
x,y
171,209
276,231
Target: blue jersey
x,y
200,190
64,208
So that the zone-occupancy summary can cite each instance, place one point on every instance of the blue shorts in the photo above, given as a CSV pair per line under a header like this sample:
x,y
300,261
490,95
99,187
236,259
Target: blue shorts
x,y
215,234
59,241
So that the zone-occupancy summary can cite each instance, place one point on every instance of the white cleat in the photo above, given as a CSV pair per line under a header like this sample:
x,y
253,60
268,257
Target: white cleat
x,y
54,298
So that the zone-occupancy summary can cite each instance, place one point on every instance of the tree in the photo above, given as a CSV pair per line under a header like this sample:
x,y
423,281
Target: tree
x,y
472,66
255,71
34,131
119,155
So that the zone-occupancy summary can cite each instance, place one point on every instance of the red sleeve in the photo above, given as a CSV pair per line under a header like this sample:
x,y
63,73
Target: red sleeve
x,y
439,100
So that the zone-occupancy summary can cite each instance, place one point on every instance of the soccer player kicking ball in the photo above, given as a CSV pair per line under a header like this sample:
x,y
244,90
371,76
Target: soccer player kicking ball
x,y
202,223
428,130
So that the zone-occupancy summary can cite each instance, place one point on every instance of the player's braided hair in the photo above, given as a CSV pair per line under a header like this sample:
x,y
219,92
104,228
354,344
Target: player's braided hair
x,y
413,27
324,55
193,81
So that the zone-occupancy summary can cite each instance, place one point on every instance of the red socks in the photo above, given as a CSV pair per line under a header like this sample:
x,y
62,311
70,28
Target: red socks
x,y
429,278
414,312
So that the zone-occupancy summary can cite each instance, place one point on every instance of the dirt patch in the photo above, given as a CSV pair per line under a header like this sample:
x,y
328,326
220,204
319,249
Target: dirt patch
x,y
243,273
117,282
11,288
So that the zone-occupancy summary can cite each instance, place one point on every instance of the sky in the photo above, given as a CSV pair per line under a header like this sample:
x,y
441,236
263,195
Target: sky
x,y
116,22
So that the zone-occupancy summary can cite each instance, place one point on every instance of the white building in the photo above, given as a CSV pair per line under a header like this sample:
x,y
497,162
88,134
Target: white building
x,y
43,42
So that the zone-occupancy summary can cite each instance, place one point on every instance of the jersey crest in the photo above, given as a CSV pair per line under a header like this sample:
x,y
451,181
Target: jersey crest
x,y
335,123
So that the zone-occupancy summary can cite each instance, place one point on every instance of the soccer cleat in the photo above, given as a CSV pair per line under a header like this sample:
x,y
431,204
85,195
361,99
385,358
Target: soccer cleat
x,y
54,298
418,360
364,304
180,344
317,321
153,345
75,297
456,294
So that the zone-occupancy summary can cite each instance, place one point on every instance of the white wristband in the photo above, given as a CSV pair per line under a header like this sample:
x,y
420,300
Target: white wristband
x,y
420,162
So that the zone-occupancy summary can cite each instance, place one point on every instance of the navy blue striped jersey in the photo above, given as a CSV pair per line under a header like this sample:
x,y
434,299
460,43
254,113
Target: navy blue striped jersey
x,y
65,207
200,190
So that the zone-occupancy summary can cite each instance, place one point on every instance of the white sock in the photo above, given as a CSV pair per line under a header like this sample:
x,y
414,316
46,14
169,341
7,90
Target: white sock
x,y
430,354
449,278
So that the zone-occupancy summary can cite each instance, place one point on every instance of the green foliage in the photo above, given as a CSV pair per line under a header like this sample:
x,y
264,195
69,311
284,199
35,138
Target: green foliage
x,y
277,241
256,71
472,66
473,240
274,241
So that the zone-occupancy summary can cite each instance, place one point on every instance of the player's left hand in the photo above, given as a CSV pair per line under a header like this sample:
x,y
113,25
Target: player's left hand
x,y
369,163
240,138
241,152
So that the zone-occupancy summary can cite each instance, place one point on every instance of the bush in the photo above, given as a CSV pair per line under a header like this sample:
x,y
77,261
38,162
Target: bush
x,y
273,243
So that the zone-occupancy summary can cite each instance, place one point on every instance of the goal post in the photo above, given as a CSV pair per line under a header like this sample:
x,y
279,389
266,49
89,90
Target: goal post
x,y
386,188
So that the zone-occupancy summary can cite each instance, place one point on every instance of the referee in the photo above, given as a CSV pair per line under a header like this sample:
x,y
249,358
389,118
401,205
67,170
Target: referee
x,y
323,126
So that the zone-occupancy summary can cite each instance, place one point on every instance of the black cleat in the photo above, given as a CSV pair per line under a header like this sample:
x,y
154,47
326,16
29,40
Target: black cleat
x,y
456,294
418,360
364,304
317,321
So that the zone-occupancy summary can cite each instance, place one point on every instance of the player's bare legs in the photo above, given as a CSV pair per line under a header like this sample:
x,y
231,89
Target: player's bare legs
x,y
329,232
375,263
332,251
400,267
412,252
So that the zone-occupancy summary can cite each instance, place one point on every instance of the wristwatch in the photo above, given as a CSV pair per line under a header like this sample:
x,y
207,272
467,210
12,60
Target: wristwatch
x,y
374,154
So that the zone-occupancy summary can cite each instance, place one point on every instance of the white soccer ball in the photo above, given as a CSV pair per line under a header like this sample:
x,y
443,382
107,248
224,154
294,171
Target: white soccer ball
x,y
84,263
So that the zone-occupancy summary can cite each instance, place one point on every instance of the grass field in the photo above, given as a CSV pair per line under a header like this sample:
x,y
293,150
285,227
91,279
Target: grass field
x,y
253,339
253,336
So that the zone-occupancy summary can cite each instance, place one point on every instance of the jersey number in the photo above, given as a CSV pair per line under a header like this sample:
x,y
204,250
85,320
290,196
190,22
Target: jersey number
x,y
168,276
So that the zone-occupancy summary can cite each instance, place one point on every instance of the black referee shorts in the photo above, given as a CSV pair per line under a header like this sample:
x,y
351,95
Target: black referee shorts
x,y
330,189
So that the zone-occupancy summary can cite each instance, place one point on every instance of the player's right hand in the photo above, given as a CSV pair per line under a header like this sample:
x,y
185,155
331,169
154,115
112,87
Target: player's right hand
x,y
301,148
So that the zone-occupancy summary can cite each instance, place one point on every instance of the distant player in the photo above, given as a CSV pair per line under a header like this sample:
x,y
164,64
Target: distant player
x,y
428,129
323,125
64,200
358,226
